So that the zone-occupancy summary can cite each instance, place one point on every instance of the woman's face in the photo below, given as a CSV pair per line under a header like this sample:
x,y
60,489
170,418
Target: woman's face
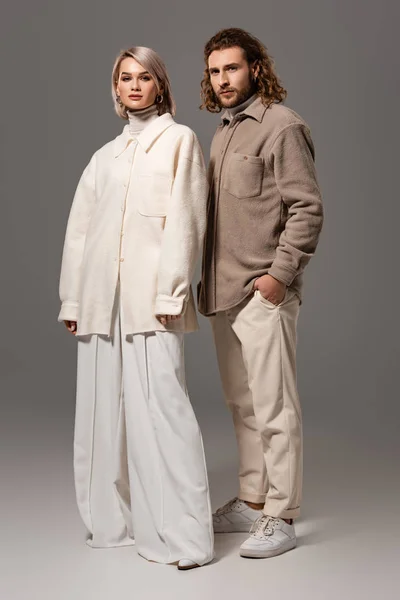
x,y
135,86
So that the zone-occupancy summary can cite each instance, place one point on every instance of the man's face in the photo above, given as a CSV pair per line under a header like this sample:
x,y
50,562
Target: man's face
x,y
231,76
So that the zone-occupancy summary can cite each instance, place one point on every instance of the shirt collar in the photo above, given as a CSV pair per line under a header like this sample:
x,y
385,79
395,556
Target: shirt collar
x,y
146,138
256,110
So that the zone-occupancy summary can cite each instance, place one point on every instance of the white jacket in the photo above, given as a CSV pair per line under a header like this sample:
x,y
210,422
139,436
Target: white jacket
x,y
138,216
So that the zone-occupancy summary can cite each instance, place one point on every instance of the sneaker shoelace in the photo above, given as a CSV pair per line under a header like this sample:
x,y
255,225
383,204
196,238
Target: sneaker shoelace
x,y
227,507
264,526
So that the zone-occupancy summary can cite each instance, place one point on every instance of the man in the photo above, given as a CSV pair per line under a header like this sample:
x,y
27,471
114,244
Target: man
x,y
264,219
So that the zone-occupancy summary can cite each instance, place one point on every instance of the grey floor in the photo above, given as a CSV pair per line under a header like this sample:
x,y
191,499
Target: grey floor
x,y
348,536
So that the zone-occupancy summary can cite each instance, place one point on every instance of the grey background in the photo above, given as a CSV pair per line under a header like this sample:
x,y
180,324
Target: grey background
x,y
339,61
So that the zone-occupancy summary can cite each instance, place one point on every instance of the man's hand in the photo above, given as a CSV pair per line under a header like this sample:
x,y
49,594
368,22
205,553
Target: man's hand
x,y
270,288
165,319
71,326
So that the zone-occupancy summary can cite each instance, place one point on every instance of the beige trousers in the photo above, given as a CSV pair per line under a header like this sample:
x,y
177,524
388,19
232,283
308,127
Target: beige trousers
x,y
256,350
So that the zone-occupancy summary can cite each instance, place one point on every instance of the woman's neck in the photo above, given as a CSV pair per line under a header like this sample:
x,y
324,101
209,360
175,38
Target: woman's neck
x,y
139,119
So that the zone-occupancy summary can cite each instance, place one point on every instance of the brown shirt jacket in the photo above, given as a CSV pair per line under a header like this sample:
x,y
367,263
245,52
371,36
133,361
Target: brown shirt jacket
x,y
264,207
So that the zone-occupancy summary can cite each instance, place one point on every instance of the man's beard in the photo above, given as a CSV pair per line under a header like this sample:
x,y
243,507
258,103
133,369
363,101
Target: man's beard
x,y
239,98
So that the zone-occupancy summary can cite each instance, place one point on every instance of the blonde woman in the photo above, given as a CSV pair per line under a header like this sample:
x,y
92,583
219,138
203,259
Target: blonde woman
x,y
133,237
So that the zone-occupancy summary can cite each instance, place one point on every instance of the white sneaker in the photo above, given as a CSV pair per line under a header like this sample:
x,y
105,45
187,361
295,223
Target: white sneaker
x,y
269,537
235,516
185,564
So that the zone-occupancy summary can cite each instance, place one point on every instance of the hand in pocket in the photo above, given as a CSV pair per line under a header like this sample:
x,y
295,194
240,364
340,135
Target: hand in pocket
x,y
271,289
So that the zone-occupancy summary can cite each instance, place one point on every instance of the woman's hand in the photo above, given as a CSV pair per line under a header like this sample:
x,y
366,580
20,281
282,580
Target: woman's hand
x,y
165,319
71,326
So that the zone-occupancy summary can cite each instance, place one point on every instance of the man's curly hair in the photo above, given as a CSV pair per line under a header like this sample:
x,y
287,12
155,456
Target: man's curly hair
x,y
267,84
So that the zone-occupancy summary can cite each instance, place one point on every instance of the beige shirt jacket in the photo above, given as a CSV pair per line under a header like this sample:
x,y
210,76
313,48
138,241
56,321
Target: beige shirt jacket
x,y
264,210
137,220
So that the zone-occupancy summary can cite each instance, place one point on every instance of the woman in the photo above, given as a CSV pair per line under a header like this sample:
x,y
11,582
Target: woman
x,y
133,237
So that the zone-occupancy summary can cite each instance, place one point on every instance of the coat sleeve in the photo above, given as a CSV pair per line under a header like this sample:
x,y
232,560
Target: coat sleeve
x,y
184,229
78,223
292,158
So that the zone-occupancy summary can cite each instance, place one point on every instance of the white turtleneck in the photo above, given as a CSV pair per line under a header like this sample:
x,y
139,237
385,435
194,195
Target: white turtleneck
x,y
139,119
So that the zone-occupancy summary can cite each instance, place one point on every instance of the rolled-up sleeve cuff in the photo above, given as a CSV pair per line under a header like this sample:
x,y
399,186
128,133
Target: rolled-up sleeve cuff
x,y
167,305
69,311
282,274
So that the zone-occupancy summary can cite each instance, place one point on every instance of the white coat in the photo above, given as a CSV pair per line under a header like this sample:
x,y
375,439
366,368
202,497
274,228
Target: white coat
x,y
139,215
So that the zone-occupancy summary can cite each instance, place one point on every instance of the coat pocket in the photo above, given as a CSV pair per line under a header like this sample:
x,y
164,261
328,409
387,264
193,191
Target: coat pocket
x,y
154,192
244,175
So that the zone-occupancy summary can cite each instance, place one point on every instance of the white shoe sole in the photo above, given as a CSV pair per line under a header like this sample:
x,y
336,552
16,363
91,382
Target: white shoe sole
x,y
186,565
233,528
254,553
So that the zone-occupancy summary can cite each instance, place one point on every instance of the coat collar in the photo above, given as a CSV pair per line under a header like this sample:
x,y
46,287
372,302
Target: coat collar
x,y
146,138
256,110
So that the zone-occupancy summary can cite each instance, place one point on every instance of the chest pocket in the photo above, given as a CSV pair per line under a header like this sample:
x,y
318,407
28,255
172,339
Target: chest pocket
x,y
154,192
244,175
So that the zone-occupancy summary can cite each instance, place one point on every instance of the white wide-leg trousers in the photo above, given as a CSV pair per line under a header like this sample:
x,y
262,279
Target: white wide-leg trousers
x,y
140,473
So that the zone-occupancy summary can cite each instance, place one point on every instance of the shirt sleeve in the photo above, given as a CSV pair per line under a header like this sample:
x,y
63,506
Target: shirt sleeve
x,y
184,230
292,158
74,244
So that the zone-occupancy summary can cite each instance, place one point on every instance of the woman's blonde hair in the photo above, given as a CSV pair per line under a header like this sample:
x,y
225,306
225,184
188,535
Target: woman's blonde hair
x,y
152,62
